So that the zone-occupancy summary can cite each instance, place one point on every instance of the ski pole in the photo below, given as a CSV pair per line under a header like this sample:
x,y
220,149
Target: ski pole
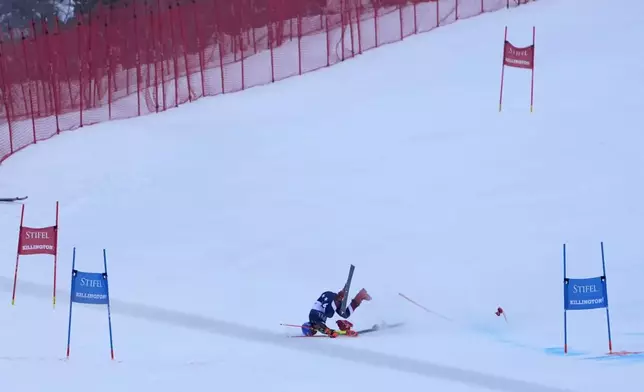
x,y
424,308
295,326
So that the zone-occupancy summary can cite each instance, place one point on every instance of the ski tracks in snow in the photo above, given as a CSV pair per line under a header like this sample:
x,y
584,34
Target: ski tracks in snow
x,y
239,331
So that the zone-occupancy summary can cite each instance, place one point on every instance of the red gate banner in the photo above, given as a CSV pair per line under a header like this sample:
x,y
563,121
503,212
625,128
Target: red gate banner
x,y
516,57
36,241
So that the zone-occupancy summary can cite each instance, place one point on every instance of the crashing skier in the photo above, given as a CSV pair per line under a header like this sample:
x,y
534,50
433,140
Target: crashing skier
x,y
326,306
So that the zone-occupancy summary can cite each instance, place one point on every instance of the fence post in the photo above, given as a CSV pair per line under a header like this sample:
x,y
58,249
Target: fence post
x,y
26,69
271,33
38,68
400,12
359,22
353,46
160,37
185,51
173,48
342,24
6,91
137,59
375,19
220,44
108,59
299,42
80,68
328,39
415,17
94,86
31,102
153,44
162,60
199,49
240,38
65,65
254,40
53,75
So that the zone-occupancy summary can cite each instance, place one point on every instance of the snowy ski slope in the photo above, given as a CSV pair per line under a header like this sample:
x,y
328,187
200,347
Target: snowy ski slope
x,y
398,162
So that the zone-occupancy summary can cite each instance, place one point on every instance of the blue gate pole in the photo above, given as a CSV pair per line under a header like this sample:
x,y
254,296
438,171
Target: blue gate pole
x,y
71,293
565,313
610,341
109,312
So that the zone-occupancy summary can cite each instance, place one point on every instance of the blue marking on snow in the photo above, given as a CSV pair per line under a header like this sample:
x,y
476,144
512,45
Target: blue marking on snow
x,y
559,351
498,336
628,358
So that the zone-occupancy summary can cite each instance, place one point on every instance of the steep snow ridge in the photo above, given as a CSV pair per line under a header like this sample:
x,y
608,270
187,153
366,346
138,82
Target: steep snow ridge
x,y
324,42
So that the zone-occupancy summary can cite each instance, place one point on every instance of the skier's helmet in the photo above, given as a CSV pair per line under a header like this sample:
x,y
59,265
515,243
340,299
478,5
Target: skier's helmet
x,y
307,330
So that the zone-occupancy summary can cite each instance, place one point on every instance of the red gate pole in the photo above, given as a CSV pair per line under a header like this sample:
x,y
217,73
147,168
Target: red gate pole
x,y
532,78
55,254
505,39
15,274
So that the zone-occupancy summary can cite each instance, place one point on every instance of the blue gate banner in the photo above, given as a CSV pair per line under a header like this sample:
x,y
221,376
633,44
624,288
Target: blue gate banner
x,y
89,288
585,294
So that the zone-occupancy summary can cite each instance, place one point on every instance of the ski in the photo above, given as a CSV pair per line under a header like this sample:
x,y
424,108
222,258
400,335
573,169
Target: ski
x,y
342,334
347,286
379,327
12,199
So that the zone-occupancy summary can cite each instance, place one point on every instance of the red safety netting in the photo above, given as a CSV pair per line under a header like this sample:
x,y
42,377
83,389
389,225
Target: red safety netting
x,y
144,57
